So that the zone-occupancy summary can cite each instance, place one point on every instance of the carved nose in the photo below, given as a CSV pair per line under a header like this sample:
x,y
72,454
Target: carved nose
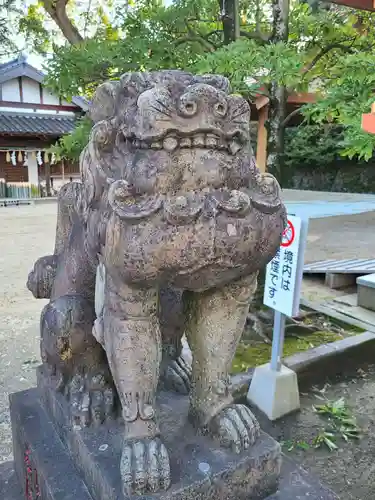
x,y
203,97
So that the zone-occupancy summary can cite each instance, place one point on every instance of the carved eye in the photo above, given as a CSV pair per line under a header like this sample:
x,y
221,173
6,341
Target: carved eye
x,y
220,109
188,108
102,133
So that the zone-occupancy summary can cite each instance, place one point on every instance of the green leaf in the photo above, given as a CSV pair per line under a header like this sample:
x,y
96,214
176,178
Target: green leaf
x,y
329,443
324,48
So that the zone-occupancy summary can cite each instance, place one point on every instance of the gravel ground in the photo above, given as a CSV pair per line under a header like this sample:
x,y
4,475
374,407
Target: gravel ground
x,y
27,232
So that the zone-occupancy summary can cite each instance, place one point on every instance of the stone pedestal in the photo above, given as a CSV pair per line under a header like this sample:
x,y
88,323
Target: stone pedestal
x,y
275,393
56,462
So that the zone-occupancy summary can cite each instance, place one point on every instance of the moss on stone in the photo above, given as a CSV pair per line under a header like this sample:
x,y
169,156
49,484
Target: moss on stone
x,y
257,353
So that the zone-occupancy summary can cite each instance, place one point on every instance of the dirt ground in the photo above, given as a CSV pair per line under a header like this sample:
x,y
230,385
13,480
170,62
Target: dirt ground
x,y
350,470
27,232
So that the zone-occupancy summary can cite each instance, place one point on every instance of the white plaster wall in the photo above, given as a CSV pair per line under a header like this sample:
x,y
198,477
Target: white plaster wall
x,y
49,98
10,91
30,90
53,112
36,111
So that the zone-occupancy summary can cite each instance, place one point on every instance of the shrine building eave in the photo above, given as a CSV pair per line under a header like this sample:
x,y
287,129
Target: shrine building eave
x,y
19,124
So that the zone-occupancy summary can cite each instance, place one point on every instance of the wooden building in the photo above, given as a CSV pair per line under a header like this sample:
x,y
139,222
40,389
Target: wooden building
x,y
259,113
357,4
31,120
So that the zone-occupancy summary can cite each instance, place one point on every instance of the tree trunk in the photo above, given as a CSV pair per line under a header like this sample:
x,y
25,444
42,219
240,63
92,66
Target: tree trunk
x,y
278,95
275,130
275,153
57,10
229,11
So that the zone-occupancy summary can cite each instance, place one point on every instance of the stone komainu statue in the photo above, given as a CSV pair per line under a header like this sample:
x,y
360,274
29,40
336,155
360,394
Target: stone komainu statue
x,y
163,237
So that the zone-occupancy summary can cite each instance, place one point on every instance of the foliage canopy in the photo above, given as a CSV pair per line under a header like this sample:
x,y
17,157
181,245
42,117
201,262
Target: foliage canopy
x,y
9,14
329,49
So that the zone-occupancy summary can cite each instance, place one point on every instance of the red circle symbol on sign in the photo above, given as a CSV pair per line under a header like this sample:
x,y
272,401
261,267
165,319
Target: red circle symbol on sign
x,y
288,235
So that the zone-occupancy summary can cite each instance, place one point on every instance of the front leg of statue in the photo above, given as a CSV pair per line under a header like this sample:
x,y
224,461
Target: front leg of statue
x,y
132,340
215,322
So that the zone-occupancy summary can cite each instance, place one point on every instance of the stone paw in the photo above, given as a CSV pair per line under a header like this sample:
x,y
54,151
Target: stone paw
x,y
41,278
177,376
92,400
144,467
235,427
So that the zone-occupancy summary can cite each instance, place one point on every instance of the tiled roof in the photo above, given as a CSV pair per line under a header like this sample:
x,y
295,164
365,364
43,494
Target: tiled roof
x,y
33,124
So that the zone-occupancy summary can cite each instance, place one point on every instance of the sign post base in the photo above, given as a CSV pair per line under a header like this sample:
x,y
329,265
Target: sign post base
x,y
275,393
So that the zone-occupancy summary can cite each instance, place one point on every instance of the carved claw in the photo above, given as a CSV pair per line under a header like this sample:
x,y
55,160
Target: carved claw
x,y
126,206
177,376
91,400
235,427
144,467
266,194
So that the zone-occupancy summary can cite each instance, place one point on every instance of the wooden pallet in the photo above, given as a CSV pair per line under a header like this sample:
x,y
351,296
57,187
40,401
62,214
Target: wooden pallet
x,y
341,273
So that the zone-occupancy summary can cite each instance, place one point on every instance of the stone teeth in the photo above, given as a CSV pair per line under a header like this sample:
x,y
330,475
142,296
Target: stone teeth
x,y
211,141
198,140
170,143
185,142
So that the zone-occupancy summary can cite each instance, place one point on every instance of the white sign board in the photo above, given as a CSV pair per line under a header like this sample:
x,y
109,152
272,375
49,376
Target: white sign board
x,y
285,271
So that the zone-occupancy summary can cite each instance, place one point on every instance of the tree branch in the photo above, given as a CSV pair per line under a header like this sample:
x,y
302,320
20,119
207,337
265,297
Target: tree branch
x,y
290,116
208,35
87,18
246,34
208,45
316,59
255,36
325,51
192,36
57,10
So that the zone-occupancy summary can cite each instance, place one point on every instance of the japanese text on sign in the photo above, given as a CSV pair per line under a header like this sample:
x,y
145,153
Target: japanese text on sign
x,y
284,272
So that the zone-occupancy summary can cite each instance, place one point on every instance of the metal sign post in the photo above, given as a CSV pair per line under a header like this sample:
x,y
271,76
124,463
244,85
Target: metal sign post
x,y
277,340
274,387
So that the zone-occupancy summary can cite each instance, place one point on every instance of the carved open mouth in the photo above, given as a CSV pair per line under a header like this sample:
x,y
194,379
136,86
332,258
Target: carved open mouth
x,y
230,144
